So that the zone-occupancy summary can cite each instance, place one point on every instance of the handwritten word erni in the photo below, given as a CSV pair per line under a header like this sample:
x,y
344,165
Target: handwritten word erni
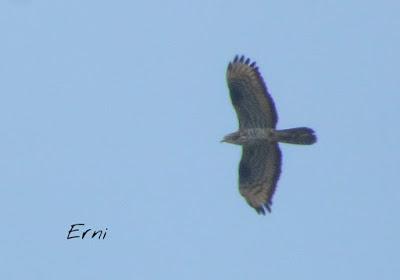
x,y
76,232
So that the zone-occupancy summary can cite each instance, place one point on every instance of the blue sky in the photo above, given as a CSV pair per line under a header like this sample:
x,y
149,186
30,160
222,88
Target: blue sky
x,y
111,114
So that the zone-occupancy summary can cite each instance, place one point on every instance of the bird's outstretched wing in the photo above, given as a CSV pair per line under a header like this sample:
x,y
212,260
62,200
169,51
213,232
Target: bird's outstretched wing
x,y
259,171
253,104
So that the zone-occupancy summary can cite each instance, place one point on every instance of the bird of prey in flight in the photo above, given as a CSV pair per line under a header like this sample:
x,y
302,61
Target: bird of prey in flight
x,y
260,165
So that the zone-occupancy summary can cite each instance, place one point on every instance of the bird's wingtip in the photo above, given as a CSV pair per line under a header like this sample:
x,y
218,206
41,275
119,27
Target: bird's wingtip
x,y
242,59
261,210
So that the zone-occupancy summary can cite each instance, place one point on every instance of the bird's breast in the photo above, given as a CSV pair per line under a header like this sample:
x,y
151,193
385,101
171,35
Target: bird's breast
x,y
258,134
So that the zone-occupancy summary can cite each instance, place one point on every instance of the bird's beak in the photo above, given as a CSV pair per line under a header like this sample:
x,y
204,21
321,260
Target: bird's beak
x,y
223,140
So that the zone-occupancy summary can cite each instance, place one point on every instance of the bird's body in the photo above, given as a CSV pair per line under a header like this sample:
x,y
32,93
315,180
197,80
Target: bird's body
x,y
249,136
260,166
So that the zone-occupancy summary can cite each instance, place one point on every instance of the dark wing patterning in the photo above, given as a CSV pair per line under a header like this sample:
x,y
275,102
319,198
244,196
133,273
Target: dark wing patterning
x,y
259,171
253,104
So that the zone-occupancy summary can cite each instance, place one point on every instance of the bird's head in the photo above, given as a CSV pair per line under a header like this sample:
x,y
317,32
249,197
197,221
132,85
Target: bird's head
x,y
233,138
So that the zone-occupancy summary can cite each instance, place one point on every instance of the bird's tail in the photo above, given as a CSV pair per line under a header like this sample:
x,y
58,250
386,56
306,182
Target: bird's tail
x,y
297,135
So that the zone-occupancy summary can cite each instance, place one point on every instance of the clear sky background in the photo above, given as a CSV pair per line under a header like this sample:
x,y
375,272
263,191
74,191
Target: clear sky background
x,y
111,114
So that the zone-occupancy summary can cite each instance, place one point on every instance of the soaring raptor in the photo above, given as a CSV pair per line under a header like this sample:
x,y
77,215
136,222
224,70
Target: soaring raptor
x,y
260,166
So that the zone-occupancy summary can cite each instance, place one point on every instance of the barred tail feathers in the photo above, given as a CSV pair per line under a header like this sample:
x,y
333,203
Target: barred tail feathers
x,y
297,135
